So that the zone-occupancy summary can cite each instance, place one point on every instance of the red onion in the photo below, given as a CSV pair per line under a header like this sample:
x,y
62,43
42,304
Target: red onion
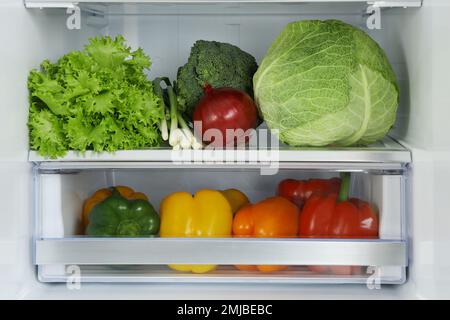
x,y
222,109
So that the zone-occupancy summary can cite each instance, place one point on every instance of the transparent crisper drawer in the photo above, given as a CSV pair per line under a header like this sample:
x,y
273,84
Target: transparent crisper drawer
x,y
61,249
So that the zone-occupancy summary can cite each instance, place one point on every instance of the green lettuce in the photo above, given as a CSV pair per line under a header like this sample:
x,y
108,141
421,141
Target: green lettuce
x,y
326,82
96,99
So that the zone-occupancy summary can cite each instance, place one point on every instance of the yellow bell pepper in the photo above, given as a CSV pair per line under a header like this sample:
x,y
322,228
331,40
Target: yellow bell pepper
x,y
206,214
236,198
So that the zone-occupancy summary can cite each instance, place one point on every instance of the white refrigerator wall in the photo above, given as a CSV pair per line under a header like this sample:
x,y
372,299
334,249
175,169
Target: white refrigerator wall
x,y
28,37
421,38
415,40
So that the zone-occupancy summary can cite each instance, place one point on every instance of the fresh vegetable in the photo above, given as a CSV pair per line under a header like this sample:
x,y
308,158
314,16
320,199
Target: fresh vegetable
x,y
104,193
206,214
96,99
232,112
160,94
298,191
217,64
190,139
274,217
180,135
336,216
237,199
117,216
175,134
326,82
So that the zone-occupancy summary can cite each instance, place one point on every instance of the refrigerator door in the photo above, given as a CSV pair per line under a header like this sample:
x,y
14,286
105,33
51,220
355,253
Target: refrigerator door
x,y
415,41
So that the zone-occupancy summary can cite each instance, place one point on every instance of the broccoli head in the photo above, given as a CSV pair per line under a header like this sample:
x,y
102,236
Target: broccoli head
x,y
217,64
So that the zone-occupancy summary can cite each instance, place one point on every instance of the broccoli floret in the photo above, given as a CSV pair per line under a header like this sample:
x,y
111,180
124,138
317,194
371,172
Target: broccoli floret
x,y
219,65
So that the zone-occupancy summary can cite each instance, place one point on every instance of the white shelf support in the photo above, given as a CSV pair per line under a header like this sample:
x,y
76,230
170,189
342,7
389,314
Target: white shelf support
x,y
96,11
73,21
374,17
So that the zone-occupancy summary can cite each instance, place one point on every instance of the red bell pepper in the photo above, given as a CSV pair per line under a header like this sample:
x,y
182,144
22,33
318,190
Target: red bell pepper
x,y
298,191
336,216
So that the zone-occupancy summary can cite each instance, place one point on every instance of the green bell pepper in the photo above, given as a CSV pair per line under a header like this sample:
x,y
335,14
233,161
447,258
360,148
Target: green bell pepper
x,y
118,217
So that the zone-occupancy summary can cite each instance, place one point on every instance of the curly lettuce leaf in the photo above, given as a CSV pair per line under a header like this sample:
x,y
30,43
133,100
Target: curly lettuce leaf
x,y
46,133
99,98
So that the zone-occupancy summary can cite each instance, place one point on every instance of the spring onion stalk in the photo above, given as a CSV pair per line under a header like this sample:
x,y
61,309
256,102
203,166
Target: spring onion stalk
x,y
179,138
185,142
164,128
194,143
174,137
159,93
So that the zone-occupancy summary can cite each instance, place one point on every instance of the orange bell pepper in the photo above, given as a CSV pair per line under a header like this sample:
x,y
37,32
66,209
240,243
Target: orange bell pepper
x,y
104,193
274,217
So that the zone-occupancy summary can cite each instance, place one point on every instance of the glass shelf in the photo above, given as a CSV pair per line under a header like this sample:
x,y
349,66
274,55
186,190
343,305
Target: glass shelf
x,y
384,152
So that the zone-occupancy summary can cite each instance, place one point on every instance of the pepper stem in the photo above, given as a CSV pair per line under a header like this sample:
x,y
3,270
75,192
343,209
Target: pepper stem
x,y
345,186
115,192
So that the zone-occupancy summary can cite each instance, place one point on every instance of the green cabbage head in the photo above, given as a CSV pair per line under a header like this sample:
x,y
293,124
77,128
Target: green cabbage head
x,y
326,83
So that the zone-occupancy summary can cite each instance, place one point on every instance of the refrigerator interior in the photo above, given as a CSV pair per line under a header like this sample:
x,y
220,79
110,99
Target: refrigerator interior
x,y
411,37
